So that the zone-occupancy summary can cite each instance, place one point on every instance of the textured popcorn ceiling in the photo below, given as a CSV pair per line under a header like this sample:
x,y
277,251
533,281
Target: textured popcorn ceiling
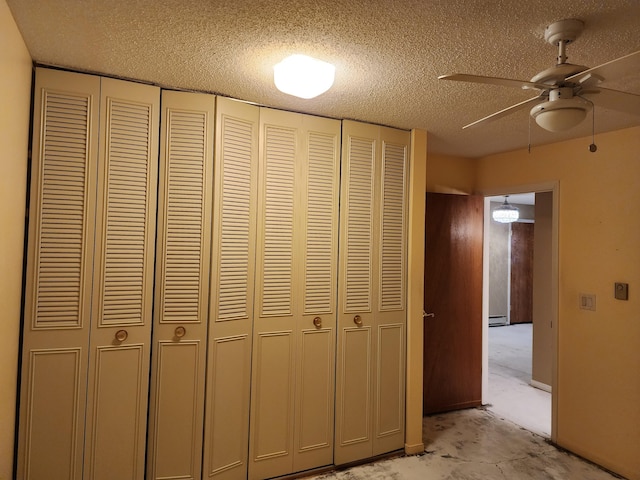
x,y
388,55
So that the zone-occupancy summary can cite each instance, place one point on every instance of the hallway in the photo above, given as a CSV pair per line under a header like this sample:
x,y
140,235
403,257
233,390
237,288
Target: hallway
x,y
511,395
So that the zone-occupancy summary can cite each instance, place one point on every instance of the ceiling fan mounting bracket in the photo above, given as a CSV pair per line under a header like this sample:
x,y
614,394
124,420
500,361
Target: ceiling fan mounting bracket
x,y
565,31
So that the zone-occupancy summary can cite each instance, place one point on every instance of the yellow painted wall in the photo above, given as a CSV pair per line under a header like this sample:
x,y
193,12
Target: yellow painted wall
x,y
15,89
415,292
447,174
599,244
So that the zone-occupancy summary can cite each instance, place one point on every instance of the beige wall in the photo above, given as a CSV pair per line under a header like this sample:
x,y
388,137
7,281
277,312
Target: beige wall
x,y
446,174
599,238
15,88
499,260
542,294
415,293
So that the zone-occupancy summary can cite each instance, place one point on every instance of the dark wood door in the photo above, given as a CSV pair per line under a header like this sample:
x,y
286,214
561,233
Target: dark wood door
x,y
521,272
453,293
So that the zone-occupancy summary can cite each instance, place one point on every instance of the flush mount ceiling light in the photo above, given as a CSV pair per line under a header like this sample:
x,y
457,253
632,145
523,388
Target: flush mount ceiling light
x,y
505,213
303,76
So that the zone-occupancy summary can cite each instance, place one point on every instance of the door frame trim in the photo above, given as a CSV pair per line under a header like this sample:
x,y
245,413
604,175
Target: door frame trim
x,y
554,188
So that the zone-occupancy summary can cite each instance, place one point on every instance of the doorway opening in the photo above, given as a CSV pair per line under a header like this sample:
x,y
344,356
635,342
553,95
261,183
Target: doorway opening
x,y
519,316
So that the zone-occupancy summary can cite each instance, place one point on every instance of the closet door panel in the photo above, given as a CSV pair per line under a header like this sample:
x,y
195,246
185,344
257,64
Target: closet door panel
x,y
353,411
319,180
177,412
58,276
182,286
389,411
314,422
52,422
275,342
123,279
229,388
356,295
232,290
114,446
391,278
273,419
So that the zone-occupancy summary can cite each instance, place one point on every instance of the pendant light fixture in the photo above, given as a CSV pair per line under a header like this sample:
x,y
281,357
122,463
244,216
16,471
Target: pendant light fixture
x,y
505,213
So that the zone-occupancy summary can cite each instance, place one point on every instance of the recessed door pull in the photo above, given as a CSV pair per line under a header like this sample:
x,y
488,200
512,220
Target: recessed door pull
x,y
317,322
180,332
357,320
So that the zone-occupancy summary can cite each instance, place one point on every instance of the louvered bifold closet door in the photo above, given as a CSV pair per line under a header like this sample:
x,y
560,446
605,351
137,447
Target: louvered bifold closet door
x,y
176,402
293,347
355,356
317,244
390,280
118,380
58,283
370,387
226,437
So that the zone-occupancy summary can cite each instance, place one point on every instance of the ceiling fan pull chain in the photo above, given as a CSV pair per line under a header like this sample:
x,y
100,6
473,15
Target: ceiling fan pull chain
x,y
593,147
529,134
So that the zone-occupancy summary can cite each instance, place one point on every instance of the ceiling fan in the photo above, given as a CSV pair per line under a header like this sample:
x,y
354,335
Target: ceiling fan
x,y
566,91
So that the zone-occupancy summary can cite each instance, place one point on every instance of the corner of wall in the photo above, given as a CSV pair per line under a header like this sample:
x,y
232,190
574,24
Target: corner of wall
x,y
15,98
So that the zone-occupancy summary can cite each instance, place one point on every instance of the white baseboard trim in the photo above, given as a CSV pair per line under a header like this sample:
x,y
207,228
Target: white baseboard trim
x,y
541,386
414,449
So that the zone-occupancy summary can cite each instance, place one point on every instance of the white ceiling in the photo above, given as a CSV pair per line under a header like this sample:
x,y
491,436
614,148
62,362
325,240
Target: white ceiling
x,y
388,55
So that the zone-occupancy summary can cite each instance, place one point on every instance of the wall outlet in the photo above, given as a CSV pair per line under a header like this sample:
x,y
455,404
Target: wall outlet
x,y
621,291
588,301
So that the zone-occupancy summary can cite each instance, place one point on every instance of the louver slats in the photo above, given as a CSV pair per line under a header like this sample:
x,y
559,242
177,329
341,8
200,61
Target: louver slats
x,y
184,216
392,241
62,223
359,226
319,280
278,221
233,290
126,212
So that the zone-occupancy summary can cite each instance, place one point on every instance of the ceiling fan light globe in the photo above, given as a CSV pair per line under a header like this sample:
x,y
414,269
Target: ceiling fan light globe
x,y
560,115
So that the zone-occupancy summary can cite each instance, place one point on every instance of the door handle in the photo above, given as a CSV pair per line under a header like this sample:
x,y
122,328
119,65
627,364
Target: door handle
x,y
357,320
317,322
425,314
180,332
121,335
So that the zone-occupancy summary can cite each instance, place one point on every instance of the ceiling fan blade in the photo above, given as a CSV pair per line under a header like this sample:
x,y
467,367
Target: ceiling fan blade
x,y
505,82
615,100
507,111
610,70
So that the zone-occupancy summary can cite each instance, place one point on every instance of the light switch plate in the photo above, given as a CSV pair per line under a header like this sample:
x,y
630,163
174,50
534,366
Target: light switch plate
x,y
621,291
588,301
